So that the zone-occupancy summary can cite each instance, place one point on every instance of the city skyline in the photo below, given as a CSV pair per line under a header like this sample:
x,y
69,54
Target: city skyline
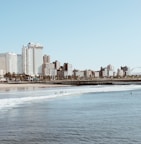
x,y
87,34
33,62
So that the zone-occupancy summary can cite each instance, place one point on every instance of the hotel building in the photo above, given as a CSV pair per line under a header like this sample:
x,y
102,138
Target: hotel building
x,y
32,59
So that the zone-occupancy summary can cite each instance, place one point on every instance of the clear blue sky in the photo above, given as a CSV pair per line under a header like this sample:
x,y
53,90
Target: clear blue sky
x,y
86,33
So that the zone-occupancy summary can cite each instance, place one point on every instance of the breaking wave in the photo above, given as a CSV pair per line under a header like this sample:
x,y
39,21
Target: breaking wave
x,y
13,98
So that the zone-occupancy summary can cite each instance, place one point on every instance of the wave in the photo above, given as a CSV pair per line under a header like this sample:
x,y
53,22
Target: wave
x,y
12,99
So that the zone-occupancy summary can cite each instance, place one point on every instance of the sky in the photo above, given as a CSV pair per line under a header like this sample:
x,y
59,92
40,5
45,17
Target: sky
x,y
85,33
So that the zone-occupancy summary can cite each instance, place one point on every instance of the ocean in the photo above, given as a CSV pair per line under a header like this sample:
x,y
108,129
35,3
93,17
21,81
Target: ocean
x,y
108,114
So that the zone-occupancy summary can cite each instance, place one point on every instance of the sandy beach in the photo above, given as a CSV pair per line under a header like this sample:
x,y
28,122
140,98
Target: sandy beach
x,y
26,85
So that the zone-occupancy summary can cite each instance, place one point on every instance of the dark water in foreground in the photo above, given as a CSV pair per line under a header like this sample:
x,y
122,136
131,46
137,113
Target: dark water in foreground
x,y
85,118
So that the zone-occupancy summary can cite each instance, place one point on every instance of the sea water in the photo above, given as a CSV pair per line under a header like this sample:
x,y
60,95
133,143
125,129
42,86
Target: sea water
x,y
71,115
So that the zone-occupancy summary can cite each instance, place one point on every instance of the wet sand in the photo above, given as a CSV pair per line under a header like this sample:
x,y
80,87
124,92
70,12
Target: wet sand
x,y
26,85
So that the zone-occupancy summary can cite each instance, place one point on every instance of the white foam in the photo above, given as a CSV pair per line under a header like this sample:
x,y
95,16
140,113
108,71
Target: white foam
x,y
15,98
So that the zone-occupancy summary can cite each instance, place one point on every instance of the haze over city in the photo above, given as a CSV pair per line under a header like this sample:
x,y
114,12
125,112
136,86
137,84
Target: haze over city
x,y
88,34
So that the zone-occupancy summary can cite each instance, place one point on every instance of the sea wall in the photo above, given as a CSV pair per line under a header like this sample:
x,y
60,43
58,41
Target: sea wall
x,y
96,82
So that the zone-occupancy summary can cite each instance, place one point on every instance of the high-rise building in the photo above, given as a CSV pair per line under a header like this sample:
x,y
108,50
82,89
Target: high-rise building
x,y
11,59
3,62
48,69
57,65
46,59
67,68
32,59
19,64
8,62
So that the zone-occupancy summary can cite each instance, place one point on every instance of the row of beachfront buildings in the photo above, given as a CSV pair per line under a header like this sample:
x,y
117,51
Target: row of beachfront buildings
x,y
32,62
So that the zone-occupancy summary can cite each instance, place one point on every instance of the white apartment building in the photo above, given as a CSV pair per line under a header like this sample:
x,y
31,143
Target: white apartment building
x,y
3,66
32,59
79,74
96,74
87,73
1,73
120,73
105,72
110,73
19,64
11,62
8,63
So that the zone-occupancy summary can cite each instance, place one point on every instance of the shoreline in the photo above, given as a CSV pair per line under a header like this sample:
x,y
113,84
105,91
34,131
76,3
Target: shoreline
x,y
64,83
4,86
